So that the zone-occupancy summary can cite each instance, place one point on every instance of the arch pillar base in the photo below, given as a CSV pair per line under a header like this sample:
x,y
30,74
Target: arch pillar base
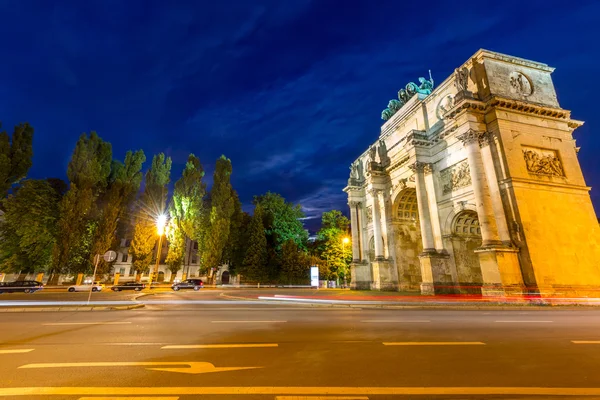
x,y
501,272
361,276
435,273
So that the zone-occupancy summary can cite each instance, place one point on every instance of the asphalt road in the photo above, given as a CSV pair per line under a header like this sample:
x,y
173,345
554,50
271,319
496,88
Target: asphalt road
x,y
294,352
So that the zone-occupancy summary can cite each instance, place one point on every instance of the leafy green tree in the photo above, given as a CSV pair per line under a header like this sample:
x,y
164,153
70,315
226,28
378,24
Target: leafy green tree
x,y
221,209
28,227
88,173
235,247
186,211
254,267
152,204
176,251
294,264
334,250
15,156
114,204
142,245
283,220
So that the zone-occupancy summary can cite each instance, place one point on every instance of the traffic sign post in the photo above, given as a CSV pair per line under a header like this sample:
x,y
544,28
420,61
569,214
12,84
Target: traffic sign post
x,y
109,256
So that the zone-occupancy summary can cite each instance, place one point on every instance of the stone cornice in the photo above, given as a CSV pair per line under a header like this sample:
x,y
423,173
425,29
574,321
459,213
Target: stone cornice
x,y
510,104
482,54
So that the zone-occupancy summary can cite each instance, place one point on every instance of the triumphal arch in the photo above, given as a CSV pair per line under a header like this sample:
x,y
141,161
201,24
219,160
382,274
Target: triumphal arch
x,y
474,186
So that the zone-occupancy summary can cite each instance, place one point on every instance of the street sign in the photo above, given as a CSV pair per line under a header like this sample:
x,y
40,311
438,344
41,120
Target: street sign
x,y
110,256
314,276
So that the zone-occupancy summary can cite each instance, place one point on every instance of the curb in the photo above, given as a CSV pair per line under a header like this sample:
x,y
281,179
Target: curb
x,y
69,309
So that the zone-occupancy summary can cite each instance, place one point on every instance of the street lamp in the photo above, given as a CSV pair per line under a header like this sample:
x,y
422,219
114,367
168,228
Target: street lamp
x,y
161,222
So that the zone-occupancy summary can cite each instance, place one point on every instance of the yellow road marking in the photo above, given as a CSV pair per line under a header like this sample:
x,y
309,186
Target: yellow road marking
x,y
431,343
217,346
585,341
270,390
15,351
167,366
244,322
85,323
321,398
129,398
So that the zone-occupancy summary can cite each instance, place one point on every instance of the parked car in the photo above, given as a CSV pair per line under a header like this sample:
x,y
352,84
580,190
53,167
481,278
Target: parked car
x,y
137,286
96,287
21,286
195,284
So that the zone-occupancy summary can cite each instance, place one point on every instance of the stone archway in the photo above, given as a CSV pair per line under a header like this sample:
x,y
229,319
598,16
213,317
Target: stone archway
x,y
466,237
225,278
405,222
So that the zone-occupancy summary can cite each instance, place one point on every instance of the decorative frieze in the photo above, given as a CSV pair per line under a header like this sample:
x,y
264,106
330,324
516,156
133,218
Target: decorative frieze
x,y
455,177
542,161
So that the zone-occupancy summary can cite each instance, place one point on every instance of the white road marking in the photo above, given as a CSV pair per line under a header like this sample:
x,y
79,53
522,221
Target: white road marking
x,y
431,343
298,391
85,323
399,321
15,351
585,341
218,346
524,322
245,322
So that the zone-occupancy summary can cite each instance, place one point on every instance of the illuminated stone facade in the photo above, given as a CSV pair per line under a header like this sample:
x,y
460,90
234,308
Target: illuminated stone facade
x,y
476,187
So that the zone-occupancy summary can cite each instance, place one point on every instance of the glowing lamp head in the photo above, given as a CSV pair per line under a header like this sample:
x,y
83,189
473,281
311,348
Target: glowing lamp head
x,y
345,240
161,221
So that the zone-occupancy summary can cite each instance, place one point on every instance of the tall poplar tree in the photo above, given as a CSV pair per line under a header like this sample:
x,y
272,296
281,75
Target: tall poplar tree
x,y
15,156
88,173
185,211
221,209
254,267
114,205
152,204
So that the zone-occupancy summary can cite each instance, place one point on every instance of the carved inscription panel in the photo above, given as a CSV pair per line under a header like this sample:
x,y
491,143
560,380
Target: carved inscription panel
x,y
455,177
542,161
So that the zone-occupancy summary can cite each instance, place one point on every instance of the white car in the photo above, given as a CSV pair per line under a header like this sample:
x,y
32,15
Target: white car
x,y
96,287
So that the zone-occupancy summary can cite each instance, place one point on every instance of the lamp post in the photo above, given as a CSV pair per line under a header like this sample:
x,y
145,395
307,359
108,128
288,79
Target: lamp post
x,y
344,241
161,221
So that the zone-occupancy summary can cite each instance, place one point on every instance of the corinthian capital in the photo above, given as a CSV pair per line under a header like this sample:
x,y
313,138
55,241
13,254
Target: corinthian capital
x,y
354,204
420,167
486,138
470,136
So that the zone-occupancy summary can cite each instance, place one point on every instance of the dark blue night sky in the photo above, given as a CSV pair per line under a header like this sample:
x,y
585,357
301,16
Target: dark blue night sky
x,y
291,91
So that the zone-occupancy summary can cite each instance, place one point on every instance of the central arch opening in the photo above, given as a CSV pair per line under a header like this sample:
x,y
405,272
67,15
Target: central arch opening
x,y
407,235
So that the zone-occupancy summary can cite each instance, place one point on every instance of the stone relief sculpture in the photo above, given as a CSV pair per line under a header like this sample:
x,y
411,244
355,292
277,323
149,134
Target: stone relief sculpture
x,y
382,151
425,87
519,83
461,79
543,162
369,214
455,177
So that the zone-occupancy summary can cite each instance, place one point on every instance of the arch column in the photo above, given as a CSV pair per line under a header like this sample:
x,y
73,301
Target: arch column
x,y
483,201
355,227
379,255
488,140
419,169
